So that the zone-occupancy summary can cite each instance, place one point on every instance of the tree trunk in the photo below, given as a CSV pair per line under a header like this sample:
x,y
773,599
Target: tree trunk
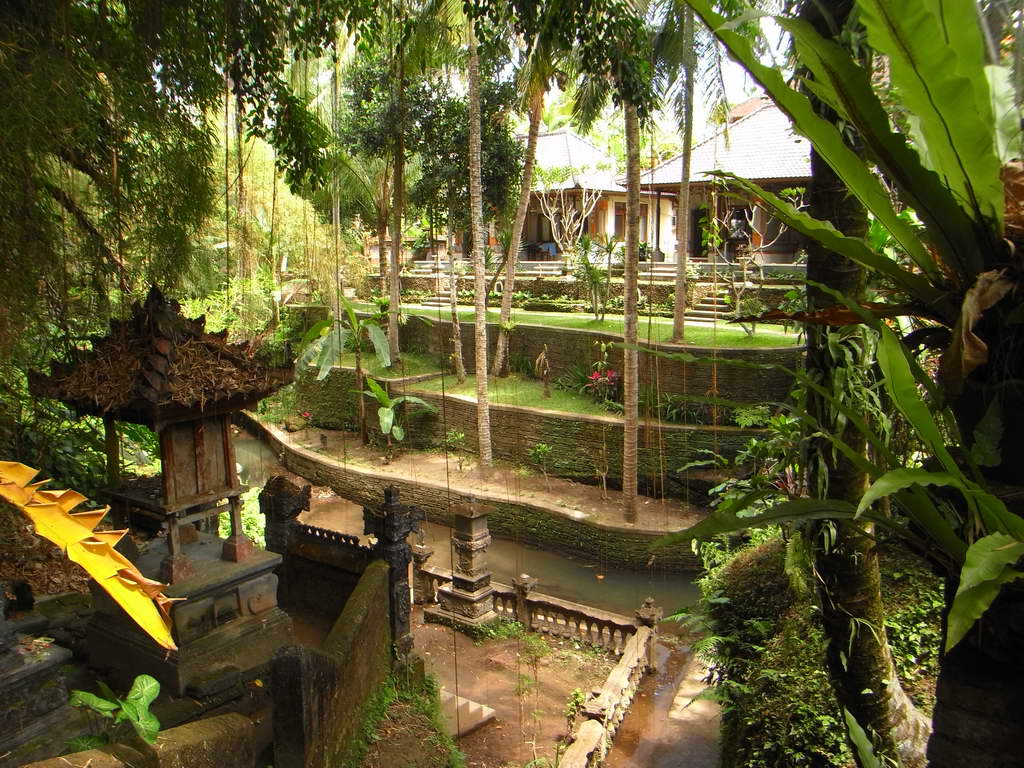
x,y
631,367
859,660
979,699
364,435
683,202
460,365
512,257
398,196
382,256
476,212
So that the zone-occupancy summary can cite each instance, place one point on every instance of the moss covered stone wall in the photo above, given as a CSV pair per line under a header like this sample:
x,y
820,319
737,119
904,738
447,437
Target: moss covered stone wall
x,y
321,696
522,521
569,347
582,447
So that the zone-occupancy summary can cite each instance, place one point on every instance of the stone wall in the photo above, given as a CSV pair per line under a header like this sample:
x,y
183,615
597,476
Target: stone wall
x,y
224,741
322,569
519,520
320,696
661,292
330,403
582,447
710,373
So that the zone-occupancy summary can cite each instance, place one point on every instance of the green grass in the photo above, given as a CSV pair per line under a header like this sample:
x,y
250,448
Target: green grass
x,y
411,364
655,329
518,390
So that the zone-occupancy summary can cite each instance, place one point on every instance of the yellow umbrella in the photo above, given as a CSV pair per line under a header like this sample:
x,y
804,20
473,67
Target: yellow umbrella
x,y
50,513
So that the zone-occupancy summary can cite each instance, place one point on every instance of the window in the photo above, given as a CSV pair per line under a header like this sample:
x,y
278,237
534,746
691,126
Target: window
x,y
620,220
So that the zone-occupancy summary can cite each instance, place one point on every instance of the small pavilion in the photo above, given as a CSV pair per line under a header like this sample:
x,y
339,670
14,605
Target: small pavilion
x,y
166,372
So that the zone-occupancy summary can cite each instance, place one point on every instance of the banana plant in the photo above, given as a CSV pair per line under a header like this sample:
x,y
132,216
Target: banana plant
x,y
325,342
386,413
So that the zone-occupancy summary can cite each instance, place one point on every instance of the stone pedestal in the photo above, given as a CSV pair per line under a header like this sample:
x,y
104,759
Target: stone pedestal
x,y
468,602
33,696
422,588
227,628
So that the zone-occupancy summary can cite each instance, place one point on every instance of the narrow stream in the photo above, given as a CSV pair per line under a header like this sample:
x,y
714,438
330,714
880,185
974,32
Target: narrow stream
x,y
658,732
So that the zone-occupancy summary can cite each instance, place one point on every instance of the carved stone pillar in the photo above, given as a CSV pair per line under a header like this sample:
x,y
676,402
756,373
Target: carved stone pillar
x,y
391,526
422,584
281,503
648,615
468,601
524,584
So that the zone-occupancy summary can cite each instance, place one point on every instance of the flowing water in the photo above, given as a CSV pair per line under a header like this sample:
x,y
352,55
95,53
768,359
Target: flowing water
x,y
657,732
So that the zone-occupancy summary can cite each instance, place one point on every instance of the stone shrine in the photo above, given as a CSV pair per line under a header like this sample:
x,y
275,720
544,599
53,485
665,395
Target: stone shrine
x,y
33,694
166,372
468,601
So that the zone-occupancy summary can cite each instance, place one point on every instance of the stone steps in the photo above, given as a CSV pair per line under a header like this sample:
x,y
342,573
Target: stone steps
x,y
462,716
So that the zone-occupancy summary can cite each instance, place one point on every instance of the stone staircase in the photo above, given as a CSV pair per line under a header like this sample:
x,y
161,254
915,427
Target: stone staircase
x,y
462,716
442,299
714,306
657,270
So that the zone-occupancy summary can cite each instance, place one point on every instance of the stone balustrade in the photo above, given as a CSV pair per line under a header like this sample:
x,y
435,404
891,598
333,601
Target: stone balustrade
x,y
604,711
547,614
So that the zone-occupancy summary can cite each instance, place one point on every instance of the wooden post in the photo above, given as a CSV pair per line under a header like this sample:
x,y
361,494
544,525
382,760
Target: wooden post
x,y
112,444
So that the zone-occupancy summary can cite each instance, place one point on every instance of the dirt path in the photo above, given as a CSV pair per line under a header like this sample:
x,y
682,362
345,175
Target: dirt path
x,y
575,500
530,710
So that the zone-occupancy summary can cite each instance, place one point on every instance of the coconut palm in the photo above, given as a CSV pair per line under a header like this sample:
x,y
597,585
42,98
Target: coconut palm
x,y
535,77
476,216
631,366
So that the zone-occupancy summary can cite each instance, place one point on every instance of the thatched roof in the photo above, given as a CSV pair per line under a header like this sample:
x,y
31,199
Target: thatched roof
x,y
158,366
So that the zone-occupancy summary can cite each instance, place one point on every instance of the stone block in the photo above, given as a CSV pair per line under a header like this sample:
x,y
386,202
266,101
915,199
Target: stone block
x,y
224,741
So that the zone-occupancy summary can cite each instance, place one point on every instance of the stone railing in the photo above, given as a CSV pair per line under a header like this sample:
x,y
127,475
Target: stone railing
x,y
604,711
543,613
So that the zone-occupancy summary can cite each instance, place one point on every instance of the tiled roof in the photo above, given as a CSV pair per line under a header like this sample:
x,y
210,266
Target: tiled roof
x,y
590,167
759,145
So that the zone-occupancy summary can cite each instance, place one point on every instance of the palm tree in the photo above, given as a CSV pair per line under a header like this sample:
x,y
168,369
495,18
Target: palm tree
x,y
687,63
631,367
476,215
536,76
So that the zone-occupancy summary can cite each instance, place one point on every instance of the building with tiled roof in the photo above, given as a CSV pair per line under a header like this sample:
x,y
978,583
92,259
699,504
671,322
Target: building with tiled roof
x,y
759,144
577,167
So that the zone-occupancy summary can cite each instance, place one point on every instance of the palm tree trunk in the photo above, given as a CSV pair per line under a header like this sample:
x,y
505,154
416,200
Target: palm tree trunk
x,y
476,213
631,367
512,257
398,196
460,365
364,435
382,255
683,202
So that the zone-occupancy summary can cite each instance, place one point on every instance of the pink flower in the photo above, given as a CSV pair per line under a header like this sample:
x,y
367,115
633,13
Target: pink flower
x,y
305,415
595,376
611,374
